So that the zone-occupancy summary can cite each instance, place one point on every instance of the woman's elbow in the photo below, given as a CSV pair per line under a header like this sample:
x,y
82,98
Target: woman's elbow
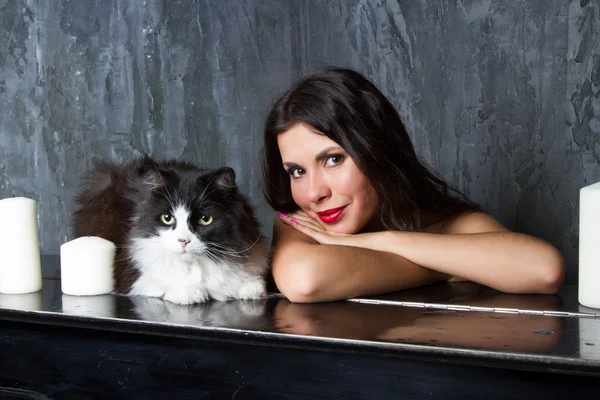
x,y
550,272
553,272
297,282
542,274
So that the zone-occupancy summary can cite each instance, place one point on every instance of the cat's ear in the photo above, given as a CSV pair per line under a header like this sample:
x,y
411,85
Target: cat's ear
x,y
152,179
146,181
224,178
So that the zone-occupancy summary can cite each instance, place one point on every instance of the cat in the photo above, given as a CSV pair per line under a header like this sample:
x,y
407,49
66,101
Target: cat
x,y
183,233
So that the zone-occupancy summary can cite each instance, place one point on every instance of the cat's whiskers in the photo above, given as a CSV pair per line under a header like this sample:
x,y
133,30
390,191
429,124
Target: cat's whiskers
x,y
208,242
256,241
230,252
220,247
223,253
211,256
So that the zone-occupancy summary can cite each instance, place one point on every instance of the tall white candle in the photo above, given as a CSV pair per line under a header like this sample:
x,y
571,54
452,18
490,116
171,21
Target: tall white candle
x,y
20,268
589,246
86,266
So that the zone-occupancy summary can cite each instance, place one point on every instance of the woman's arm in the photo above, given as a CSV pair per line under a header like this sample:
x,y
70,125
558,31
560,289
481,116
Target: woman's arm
x,y
478,248
306,271
473,246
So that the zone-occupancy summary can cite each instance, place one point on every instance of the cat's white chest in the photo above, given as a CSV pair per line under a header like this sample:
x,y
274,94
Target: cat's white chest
x,y
171,277
174,280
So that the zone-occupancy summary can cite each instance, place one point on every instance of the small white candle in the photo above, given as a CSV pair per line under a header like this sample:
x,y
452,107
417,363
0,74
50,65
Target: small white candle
x,y
589,246
20,268
86,266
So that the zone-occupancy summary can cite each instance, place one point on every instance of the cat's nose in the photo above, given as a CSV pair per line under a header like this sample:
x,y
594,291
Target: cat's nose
x,y
184,242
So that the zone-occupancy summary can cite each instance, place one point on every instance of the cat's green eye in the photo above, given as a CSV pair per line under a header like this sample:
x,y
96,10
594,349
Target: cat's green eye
x,y
205,219
167,219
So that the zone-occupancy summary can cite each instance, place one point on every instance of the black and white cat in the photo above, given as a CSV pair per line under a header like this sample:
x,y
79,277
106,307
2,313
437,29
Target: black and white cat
x,y
183,233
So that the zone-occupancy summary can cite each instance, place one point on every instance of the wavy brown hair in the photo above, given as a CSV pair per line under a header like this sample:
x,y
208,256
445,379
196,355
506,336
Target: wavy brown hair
x,y
347,108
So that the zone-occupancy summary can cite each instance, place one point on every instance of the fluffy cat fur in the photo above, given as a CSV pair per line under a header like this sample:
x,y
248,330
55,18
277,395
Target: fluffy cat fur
x,y
182,233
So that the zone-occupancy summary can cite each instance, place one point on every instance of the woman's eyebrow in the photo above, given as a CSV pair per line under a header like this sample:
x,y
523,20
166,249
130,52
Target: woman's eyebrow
x,y
319,157
324,153
291,165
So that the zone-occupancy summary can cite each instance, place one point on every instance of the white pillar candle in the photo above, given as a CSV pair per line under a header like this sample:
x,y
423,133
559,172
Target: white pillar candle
x,y
20,268
86,266
589,246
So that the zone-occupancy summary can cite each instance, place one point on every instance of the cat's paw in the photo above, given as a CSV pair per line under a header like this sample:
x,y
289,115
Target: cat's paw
x,y
251,289
191,296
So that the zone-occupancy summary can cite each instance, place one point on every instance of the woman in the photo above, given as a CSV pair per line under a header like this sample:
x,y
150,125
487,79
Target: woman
x,y
359,214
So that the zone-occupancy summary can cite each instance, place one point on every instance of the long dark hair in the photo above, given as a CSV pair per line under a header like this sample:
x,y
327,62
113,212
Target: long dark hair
x,y
347,108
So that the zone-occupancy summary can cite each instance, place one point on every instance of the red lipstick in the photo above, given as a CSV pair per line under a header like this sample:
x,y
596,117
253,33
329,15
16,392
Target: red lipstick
x,y
332,215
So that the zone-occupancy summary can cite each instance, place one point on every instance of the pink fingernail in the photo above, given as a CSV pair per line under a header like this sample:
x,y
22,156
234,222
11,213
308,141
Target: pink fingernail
x,y
282,215
293,221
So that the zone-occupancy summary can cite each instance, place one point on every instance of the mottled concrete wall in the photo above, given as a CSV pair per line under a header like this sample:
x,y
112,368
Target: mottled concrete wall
x,y
500,96
84,80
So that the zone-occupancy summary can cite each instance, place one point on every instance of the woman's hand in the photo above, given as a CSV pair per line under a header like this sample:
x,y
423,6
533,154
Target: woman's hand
x,y
300,221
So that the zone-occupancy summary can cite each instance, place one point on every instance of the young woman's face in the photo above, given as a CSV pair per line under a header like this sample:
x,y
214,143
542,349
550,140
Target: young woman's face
x,y
325,182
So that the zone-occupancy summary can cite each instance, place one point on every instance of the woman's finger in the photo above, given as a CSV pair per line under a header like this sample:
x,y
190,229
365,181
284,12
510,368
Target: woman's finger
x,y
316,235
299,219
301,216
285,220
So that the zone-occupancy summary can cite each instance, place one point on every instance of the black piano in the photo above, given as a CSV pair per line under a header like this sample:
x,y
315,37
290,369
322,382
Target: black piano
x,y
444,341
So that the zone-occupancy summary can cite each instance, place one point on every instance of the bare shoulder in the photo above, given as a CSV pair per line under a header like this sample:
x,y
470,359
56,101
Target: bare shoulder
x,y
473,222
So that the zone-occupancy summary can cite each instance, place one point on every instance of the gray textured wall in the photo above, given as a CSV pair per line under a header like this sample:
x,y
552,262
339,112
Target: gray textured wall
x,y
500,96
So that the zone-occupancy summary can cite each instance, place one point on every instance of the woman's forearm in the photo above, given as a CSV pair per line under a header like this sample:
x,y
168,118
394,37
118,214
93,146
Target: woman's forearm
x,y
307,273
507,261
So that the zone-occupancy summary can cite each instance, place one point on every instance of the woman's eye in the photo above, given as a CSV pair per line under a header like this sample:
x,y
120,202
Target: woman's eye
x,y
205,219
167,219
334,159
296,172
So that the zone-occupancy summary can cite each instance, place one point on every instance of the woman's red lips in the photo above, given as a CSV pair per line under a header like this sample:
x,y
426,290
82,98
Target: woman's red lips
x,y
331,215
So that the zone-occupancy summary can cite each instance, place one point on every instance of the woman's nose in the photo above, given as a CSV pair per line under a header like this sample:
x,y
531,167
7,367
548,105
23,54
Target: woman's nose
x,y
318,189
